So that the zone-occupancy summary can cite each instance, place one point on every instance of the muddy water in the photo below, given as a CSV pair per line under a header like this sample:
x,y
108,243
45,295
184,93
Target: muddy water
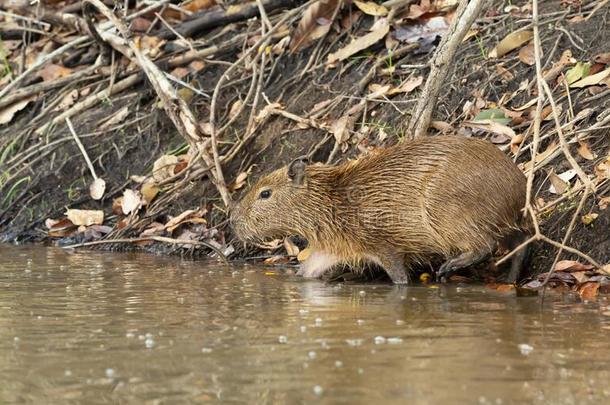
x,y
98,327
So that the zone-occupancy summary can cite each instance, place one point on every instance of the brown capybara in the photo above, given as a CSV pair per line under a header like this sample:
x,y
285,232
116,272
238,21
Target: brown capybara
x,y
436,197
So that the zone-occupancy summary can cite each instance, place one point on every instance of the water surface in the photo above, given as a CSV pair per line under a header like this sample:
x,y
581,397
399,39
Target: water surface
x,y
93,327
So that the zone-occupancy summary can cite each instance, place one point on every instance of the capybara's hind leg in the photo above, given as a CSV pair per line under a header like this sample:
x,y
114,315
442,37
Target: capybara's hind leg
x,y
394,265
459,262
516,265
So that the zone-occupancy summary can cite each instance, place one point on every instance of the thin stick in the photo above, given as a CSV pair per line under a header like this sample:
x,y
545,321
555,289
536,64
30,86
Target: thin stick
x,y
163,239
567,235
82,148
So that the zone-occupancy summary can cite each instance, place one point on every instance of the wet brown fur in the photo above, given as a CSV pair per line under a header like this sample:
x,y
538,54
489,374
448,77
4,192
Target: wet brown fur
x,y
432,197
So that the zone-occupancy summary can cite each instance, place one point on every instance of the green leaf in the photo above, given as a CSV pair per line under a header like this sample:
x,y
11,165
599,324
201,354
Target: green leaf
x,y
493,114
579,71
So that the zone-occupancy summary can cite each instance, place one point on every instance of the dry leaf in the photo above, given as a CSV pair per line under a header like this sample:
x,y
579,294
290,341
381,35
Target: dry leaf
x,y
339,129
515,143
163,167
179,73
132,201
116,118
196,65
526,54
60,229
67,101
492,126
360,43
424,34
584,151
603,58
155,228
304,254
277,259
52,71
560,182
442,126
321,10
149,191
504,73
7,114
85,217
240,180
591,80
588,291
291,248
572,265
588,219
604,202
235,108
408,86
97,189
510,42
370,8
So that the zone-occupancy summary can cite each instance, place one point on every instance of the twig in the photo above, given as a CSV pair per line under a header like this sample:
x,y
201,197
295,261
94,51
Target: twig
x,y
92,100
82,148
465,15
50,56
163,239
567,235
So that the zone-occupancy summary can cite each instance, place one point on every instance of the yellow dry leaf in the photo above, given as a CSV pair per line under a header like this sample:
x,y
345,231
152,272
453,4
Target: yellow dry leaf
x,y
510,42
85,217
584,151
588,219
164,167
291,248
149,191
304,254
370,8
7,114
357,44
597,78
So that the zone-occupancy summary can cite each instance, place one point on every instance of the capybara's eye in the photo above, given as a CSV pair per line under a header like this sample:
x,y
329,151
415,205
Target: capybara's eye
x,y
264,194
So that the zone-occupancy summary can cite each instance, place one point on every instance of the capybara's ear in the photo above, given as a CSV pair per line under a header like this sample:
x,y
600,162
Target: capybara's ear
x,y
296,171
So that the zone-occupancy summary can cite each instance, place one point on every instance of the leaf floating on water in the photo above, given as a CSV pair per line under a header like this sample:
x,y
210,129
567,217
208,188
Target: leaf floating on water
x,y
370,8
510,42
85,217
588,291
60,228
381,28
